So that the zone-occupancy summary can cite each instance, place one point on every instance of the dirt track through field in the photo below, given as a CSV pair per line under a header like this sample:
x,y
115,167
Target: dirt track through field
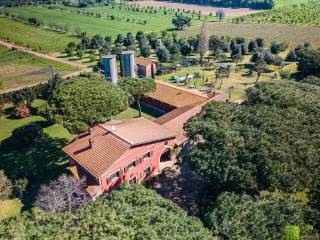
x,y
230,12
82,67
42,55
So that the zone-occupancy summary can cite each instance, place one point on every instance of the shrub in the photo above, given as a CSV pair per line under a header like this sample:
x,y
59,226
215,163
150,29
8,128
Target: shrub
x,y
26,135
21,111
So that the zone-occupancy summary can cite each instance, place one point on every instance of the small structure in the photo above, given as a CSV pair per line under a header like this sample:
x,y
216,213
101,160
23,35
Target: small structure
x,y
110,68
146,67
119,151
128,66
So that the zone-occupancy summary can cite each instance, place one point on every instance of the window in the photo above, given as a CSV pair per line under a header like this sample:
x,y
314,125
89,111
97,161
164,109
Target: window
x,y
146,156
133,180
147,171
114,176
130,165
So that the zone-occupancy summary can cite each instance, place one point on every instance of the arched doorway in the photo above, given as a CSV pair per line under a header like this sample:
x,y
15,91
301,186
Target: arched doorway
x,y
166,155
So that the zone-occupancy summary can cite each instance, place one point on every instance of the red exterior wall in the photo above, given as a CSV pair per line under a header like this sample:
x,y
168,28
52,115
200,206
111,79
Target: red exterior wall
x,y
131,155
157,104
146,71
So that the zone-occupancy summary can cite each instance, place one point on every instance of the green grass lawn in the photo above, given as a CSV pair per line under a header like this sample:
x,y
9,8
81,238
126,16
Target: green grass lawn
x,y
20,69
34,37
239,81
281,3
132,112
44,160
9,208
39,163
104,26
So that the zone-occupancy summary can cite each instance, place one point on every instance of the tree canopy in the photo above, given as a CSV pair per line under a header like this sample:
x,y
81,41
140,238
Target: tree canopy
x,y
130,213
83,101
181,21
245,217
269,142
137,88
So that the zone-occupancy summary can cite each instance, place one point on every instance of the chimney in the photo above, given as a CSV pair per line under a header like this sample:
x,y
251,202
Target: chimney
x,y
90,143
113,128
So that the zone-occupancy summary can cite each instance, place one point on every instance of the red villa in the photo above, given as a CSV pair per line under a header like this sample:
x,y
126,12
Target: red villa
x,y
119,151
132,150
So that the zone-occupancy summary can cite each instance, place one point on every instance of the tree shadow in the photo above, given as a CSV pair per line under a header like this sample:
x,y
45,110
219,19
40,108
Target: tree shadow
x,y
40,163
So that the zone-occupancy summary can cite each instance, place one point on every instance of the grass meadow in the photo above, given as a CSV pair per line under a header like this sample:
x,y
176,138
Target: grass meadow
x,y
125,20
33,37
21,69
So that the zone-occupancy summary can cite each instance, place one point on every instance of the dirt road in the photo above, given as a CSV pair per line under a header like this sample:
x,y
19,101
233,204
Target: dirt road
x,y
43,55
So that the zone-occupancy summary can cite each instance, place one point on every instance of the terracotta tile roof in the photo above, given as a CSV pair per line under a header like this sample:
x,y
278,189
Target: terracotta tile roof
x,y
137,131
176,119
106,149
176,96
143,61
110,140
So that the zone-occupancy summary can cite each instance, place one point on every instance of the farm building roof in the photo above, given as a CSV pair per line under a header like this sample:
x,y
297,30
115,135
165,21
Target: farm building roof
x,y
99,147
176,96
143,61
175,119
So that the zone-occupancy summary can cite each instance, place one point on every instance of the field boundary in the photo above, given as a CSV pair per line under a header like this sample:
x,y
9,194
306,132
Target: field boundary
x,y
11,45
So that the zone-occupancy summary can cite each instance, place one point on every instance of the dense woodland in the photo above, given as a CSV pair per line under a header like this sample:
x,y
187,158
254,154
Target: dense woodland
x,y
131,213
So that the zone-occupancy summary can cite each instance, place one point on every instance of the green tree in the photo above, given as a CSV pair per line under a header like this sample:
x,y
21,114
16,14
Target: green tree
x,y
259,67
181,21
220,14
137,88
5,186
129,213
163,54
245,217
83,101
309,62
260,145
80,53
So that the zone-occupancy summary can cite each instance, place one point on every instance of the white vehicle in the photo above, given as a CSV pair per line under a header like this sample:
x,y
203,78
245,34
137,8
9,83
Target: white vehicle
x,y
182,79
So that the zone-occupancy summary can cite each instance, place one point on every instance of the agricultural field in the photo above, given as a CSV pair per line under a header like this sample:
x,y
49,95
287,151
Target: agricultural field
x,y
301,14
33,37
107,20
293,34
19,69
207,10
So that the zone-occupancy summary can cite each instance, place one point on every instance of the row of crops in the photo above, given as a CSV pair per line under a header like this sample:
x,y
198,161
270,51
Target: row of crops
x,y
302,14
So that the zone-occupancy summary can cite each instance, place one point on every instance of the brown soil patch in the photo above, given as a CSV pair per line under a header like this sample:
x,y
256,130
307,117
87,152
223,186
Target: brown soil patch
x,y
13,76
230,12
293,34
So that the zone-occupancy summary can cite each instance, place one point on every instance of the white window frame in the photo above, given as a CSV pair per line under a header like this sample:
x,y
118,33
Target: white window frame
x,y
145,173
110,180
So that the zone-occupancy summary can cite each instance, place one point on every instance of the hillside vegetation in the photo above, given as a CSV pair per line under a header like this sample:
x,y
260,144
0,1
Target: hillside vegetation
x,y
302,14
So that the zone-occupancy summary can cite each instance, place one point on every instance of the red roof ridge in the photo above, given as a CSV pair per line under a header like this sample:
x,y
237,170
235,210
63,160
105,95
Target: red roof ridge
x,y
182,89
